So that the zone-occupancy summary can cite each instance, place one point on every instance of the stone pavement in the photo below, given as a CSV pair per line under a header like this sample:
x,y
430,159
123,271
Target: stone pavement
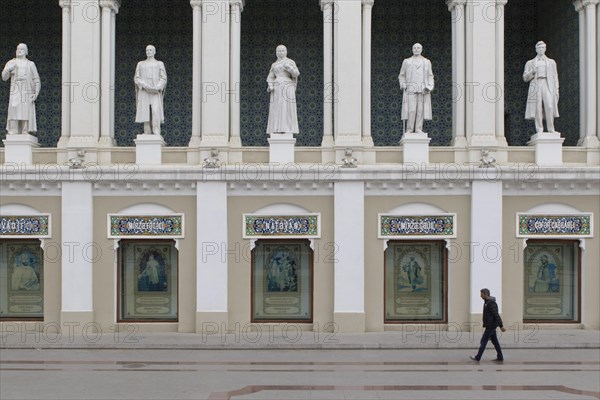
x,y
255,336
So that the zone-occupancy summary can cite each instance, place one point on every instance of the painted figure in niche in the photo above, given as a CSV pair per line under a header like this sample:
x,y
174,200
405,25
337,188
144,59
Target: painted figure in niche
x,y
25,87
413,272
24,276
542,100
282,82
546,279
152,276
150,83
282,275
416,82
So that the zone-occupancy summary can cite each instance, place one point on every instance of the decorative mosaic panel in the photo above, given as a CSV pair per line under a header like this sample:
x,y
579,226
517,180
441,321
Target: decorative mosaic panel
x,y
285,226
38,24
298,24
419,226
145,226
556,23
22,226
397,26
529,225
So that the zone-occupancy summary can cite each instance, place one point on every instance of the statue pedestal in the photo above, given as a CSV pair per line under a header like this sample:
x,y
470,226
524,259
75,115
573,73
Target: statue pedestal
x,y
415,147
18,148
281,148
148,149
548,148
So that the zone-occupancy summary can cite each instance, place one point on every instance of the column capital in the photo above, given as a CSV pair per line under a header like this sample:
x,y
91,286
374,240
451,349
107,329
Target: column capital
x,y
238,3
589,2
455,3
112,4
501,2
578,4
325,3
368,3
196,3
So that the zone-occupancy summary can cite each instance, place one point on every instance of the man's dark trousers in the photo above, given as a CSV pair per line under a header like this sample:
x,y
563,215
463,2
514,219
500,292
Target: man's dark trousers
x,y
489,334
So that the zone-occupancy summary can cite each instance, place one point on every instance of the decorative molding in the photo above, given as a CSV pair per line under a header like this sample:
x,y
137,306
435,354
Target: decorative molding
x,y
196,3
237,3
589,2
438,226
455,3
368,3
25,226
325,3
578,4
555,225
256,226
145,226
501,3
114,5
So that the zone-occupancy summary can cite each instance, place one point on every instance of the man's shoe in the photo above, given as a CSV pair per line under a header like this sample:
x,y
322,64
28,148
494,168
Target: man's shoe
x,y
499,359
474,358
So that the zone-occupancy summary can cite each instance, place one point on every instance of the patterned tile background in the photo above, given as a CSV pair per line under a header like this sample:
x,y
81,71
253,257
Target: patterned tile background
x,y
556,23
397,25
266,24
38,24
167,25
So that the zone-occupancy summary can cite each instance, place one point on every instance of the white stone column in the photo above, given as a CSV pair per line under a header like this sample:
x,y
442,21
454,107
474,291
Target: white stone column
x,y
457,8
485,246
215,73
328,7
598,73
481,72
107,135
348,73
500,89
84,83
65,129
77,248
581,11
591,109
237,6
367,6
349,270
211,263
196,73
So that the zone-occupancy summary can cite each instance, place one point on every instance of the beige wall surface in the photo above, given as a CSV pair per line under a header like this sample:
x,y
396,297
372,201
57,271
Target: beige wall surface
x,y
52,251
512,256
240,261
105,269
458,265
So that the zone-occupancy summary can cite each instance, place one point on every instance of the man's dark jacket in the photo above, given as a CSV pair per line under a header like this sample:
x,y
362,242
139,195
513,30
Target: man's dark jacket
x,y
491,318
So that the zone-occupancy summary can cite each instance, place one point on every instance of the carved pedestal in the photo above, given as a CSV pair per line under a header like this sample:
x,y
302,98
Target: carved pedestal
x,y
415,147
548,148
281,148
18,149
148,149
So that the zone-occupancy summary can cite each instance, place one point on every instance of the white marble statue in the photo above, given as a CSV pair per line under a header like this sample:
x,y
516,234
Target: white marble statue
x,y
416,82
282,82
542,100
25,87
150,82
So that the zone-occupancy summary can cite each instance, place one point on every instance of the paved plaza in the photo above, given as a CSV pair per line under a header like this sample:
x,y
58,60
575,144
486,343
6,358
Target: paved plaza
x,y
388,365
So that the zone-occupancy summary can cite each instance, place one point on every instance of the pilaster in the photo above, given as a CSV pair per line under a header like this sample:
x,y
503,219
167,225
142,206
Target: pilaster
x,y
211,265
348,73
349,270
457,9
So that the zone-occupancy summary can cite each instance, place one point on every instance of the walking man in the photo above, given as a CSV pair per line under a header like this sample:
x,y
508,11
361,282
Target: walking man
x,y
491,321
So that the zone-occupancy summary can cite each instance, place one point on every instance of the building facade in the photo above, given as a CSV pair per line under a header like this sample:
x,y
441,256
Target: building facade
x,y
349,226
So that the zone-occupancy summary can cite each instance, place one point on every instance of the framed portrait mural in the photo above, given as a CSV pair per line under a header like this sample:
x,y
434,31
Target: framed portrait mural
x,y
21,279
415,281
282,281
551,273
148,280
